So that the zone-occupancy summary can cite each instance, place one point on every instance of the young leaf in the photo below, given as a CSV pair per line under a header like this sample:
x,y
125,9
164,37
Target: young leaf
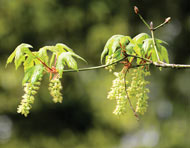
x,y
140,38
37,73
153,55
66,58
63,48
33,74
124,41
52,59
148,43
28,63
111,45
19,54
10,58
158,41
42,54
164,54
129,48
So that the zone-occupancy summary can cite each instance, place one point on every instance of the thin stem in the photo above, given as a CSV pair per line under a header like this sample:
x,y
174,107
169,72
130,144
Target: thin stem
x,y
154,44
161,25
45,65
136,115
166,65
93,68
143,20
145,59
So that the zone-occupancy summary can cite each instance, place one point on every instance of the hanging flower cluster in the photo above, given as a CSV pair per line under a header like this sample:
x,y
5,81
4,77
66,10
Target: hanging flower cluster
x,y
138,91
28,98
118,93
55,88
110,60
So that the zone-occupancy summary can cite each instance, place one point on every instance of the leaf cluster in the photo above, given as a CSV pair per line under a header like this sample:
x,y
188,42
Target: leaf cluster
x,y
52,59
141,45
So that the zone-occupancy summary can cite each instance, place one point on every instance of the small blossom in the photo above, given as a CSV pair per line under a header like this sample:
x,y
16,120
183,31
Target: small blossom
x,y
110,60
28,98
55,88
118,93
137,90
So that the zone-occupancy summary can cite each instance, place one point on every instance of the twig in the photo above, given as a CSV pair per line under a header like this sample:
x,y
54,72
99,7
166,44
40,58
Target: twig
x,y
161,25
154,42
166,65
135,114
93,68
140,16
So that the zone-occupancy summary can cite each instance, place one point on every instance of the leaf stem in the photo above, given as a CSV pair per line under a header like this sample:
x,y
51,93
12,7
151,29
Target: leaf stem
x,y
45,65
154,44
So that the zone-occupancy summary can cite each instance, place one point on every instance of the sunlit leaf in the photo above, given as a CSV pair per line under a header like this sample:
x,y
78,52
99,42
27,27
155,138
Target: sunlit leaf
x,y
33,74
164,54
37,73
140,38
129,48
124,41
42,55
10,58
117,55
158,41
148,43
111,46
153,57
66,58
19,54
63,48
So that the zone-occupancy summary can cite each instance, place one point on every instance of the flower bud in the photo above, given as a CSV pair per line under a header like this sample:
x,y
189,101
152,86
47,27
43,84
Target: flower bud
x,y
167,20
136,9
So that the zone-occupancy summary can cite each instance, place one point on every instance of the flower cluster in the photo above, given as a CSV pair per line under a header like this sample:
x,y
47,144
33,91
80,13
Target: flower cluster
x,y
118,93
110,60
28,98
55,88
137,89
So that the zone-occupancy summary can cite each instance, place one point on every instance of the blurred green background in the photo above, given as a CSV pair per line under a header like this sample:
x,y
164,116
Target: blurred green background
x,y
85,118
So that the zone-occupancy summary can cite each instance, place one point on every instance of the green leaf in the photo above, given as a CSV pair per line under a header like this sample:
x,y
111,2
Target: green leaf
x,y
153,55
52,59
136,48
140,38
77,56
37,73
19,54
129,48
111,45
42,54
28,63
63,48
27,75
10,58
33,74
124,41
67,58
164,54
117,55
158,41
148,43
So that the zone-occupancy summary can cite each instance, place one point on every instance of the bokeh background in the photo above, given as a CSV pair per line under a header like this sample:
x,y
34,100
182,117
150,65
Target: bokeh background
x,y
85,118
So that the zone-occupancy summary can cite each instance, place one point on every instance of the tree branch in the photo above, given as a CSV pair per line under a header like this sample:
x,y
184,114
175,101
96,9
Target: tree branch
x,y
94,67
